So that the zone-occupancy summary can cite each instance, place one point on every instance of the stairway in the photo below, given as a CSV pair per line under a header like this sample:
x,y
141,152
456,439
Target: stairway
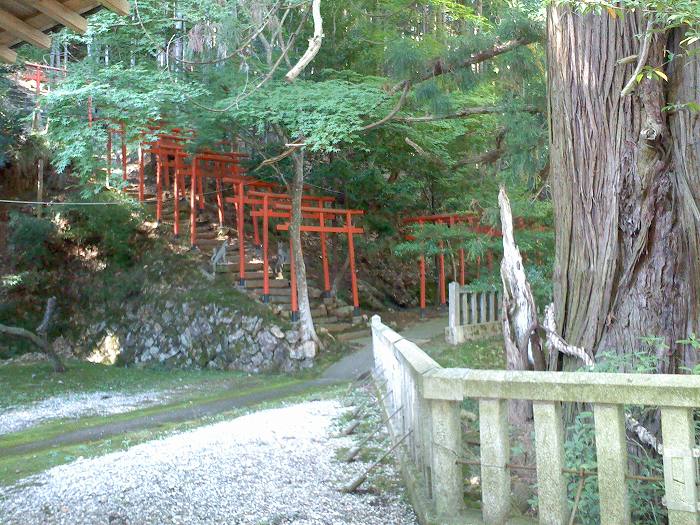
x,y
331,315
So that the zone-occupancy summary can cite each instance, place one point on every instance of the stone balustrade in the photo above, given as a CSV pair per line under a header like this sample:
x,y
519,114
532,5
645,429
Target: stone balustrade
x,y
472,313
430,399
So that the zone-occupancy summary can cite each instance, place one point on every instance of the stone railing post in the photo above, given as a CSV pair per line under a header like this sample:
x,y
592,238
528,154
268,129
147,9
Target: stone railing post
x,y
454,317
680,465
611,452
495,453
446,473
549,446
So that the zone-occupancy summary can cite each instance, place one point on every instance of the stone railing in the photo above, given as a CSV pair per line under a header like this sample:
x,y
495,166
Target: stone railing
x,y
429,400
472,313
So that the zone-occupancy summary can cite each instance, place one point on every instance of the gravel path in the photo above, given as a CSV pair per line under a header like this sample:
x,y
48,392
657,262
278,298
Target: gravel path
x,y
270,467
14,419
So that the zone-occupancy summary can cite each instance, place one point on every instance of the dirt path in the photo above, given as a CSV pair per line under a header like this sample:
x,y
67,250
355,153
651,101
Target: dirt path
x,y
276,466
346,369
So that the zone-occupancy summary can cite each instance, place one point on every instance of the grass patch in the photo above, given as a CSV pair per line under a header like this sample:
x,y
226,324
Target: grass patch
x,y
31,382
481,354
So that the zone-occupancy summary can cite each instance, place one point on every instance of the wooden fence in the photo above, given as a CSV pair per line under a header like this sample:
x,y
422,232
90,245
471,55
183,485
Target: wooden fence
x,y
472,313
429,400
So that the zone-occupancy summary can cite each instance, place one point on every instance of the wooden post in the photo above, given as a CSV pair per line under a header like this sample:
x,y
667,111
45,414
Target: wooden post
x,y
193,203
241,235
40,186
176,198
266,264
200,185
441,278
109,155
166,168
256,231
461,267
219,201
122,128
293,279
141,173
159,185
351,255
422,285
324,257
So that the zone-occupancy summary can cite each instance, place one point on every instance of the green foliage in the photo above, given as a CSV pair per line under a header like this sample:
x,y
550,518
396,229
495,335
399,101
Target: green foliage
x,y
580,453
30,240
327,114
110,228
645,496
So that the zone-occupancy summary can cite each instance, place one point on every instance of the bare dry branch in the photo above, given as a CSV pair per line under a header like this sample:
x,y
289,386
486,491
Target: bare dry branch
x,y
466,113
314,44
556,343
39,339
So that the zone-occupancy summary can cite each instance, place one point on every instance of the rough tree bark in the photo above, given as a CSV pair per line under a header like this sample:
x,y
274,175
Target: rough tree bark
x,y
625,180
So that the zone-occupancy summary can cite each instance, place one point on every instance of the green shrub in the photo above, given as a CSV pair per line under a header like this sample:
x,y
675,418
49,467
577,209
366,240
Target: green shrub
x,y
111,228
30,240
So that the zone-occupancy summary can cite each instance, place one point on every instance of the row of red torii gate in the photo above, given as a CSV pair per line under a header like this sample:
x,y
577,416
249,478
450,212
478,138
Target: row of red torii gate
x,y
264,200
183,175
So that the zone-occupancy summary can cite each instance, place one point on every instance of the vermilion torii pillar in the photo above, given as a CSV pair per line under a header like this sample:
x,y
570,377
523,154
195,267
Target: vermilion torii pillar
x,y
348,229
449,220
267,212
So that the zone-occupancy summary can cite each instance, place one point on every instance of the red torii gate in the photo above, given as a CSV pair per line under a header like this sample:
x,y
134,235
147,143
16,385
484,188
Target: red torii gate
x,y
253,199
448,219
264,201
37,73
347,228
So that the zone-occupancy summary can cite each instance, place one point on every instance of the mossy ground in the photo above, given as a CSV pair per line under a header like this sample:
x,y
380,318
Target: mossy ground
x,y
482,354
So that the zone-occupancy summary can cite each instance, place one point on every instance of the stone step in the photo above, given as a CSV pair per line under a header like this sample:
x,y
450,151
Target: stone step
x,y
319,311
230,267
207,244
253,284
281,292
334,328
280,299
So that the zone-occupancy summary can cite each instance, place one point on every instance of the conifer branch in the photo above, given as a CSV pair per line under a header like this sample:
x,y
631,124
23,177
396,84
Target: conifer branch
x,y
393,112
466,113
480,56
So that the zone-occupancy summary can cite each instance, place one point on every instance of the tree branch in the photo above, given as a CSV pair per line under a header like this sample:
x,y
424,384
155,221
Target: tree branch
x,y
286,153
556,343
487,157
423,153
314,44
481,56
466,113
641,61
393,112
39,339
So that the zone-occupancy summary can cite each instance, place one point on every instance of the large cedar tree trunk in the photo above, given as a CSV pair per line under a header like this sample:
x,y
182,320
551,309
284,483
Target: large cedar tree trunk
x,y
625,179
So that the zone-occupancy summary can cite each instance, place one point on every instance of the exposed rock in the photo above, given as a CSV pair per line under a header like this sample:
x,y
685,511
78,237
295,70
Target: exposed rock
x,y
107,350
344,312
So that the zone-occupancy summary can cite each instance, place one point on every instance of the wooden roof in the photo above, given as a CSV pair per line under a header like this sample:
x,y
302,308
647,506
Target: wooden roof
x,y
27,20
